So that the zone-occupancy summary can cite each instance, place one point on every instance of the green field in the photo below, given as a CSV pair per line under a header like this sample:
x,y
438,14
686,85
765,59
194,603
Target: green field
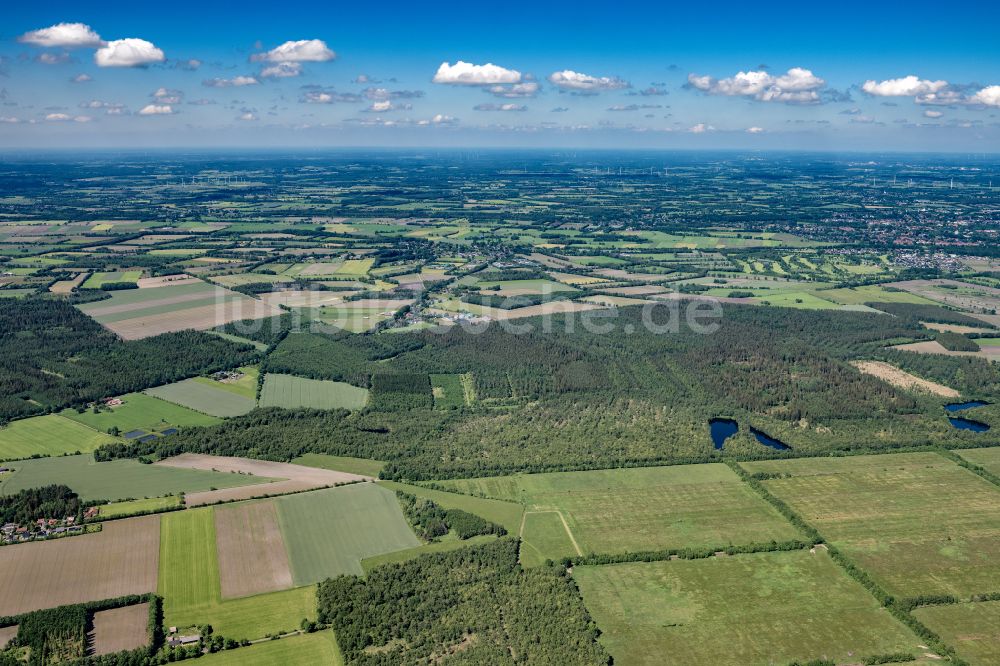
x,y
140,412
329,532
448,391
97,280
115,480
130,507
245,385
917,522
207,397
341,463
49,435
254,617
295,392
304,650
188,577
639,509
766,608
970,628
988,458
870,294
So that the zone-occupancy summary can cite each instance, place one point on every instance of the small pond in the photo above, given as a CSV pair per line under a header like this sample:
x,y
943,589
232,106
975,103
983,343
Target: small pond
x,y
722,429
767,440
968,424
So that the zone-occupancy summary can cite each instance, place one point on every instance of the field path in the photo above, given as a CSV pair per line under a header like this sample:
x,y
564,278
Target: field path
x,y
569,532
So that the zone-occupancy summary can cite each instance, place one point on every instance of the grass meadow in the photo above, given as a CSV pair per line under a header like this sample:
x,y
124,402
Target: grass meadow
x,y
766,608
917,522
970,628
292,392
205,397
639,509
140,412
49,435
305,650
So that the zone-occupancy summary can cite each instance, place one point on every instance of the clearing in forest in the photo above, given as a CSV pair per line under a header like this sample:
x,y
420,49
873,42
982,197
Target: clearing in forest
x,y
292,392
904,380
119,629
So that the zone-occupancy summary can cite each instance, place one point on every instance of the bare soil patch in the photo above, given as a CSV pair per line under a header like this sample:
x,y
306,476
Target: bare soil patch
x,y
904,380
118,629
163,280
7,634
954,328
200,318
252,554
121,559
293,478
934,347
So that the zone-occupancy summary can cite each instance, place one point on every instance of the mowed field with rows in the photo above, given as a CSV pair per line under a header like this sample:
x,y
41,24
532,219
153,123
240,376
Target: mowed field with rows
x,y
917,522
291,392
632,510
49,435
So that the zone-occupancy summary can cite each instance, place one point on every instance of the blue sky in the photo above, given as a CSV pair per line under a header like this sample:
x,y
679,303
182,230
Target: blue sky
x,y
911,76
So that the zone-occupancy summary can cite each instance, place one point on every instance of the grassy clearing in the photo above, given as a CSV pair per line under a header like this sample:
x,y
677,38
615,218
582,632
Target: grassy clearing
x,y
918,523
189,570
49,435
767,608
115,480
304,650
205,397
329,532
257,616
545,537
140,412
116,509
448,391
614,511
970,628
341,463
294,392
988,458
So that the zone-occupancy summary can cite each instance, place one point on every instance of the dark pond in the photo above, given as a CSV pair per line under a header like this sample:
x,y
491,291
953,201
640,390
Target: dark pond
x,y
767,440
960,406
722,429
968,424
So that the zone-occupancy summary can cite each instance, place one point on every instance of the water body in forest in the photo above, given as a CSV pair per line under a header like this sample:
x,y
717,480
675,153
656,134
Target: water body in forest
x,y
722,429
767,440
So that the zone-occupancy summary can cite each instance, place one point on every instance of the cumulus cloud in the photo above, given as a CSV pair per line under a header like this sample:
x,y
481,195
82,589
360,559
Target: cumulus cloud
x,y
302,50
235,82
466,74
248,116
440,119
81,78
526,89
10,120
281,70
755,130
110,108
320,96
380,106
500,107
156,110
988,96
908,86
701,128
65,118
567,79
796,86
129,52
65,35
932,114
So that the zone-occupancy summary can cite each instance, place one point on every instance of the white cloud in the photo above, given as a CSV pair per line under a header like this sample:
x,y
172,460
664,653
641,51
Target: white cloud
x,y
797,85
66,35
110,108
10,120
65,117
167,96
755,130
442,119
701,128
500,107
235,82
48,58
81,78
932,114
303,50
380,106
943,98
248,116
526,89
908,86
329,97
467,74
128,52
156,110
567,79
988,96
281,70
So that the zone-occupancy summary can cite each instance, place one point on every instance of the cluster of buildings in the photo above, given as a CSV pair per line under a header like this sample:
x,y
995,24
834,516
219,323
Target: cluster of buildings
x,y
43,528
